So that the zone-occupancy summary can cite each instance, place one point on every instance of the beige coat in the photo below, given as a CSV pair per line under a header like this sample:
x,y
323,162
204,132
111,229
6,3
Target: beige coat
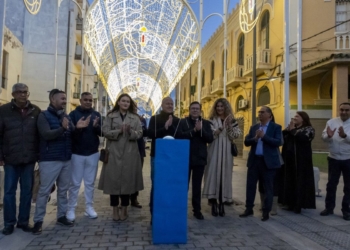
x,y
123,172
220,162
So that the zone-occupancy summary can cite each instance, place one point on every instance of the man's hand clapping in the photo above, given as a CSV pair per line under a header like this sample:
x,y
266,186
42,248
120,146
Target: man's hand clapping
x,y
169,122
330,132
83,123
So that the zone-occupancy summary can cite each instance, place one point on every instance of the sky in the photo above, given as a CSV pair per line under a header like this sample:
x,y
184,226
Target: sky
x,y
209,6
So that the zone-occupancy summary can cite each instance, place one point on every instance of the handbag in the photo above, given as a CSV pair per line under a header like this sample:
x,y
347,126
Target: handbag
x,y
104,152
234,150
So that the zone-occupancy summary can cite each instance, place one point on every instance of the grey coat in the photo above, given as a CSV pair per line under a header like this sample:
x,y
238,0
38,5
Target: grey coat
x,y
123,172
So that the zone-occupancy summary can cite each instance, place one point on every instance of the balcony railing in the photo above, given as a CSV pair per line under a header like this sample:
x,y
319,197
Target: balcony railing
x,y
217,85
263,60
342,42
206,92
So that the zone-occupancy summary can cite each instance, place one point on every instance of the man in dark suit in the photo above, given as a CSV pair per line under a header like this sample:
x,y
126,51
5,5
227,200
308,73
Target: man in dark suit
x,y
264,139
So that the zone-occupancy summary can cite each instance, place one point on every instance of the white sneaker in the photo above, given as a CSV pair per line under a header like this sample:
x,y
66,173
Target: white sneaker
x,y
70,215
90,212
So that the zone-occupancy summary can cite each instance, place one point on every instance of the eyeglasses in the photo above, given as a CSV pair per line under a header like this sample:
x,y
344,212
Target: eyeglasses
x,y
19,92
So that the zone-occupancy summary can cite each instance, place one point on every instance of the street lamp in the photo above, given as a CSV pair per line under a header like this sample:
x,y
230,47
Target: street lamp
x,y
226,3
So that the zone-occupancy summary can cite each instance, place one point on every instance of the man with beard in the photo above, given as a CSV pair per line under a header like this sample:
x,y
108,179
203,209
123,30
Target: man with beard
x,y
85,156
55,129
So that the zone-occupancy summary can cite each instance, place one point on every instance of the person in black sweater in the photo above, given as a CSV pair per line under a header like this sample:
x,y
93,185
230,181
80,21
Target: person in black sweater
x,y
163,124
199,132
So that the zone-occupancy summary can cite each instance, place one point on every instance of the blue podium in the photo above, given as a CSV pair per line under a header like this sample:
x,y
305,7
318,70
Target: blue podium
x,y
170,186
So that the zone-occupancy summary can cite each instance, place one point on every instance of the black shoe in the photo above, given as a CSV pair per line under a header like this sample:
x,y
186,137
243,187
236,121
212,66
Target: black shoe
x,y
214,209
37,229
8,230
26,228
228,203
297,210
198,215
326,212
64,221
135,203
265,216
246,213
221,210
346,215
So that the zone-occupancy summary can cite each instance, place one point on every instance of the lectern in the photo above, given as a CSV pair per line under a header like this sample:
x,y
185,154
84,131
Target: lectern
x,y
170,186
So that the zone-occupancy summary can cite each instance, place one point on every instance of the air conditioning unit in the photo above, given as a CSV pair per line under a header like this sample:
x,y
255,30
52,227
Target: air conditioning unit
x,y
242,104
76,95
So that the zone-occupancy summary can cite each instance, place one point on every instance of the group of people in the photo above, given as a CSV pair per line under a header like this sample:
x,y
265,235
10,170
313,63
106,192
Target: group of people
x,y
66,147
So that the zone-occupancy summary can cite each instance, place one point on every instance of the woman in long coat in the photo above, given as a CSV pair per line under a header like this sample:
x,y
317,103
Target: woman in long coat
x,y
298,186
218,173
122,175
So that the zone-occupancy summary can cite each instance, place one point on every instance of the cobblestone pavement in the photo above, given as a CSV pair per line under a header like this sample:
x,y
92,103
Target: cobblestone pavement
x,y
282,232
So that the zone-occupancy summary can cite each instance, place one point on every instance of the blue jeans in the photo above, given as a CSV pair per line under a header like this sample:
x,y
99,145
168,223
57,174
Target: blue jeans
x,y
152,177
24,174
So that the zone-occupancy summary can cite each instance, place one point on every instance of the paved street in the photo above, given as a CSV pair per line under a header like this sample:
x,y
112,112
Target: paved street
x,y
282,232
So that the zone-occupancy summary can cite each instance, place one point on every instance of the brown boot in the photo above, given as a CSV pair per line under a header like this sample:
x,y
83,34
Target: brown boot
x,y
123,213
116,213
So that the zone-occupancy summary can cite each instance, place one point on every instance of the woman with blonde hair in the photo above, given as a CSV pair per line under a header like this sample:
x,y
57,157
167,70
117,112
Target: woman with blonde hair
x,y
122,174
218,173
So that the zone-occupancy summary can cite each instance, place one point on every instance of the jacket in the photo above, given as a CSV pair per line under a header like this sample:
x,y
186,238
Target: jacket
x,y
55,141
156,128
272,140
198,140
85,141
123,172
19,136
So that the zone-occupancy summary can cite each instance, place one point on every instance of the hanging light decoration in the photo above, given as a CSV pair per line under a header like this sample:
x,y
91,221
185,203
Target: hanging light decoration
x,y
143,36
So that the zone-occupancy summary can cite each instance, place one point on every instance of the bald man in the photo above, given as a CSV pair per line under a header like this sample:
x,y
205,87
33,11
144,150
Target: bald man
x,y
161,125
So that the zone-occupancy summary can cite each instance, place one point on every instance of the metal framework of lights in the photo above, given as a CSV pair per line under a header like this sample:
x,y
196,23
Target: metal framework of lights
x,y
33,6
247,21
141,47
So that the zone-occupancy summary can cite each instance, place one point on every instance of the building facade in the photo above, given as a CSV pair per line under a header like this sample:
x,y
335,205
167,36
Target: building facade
x,y
33,61
325,64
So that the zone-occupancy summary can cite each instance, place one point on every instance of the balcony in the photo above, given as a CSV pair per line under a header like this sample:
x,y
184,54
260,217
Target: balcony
x,y
342,42
235,76
206,90
186,104
263,62
217,86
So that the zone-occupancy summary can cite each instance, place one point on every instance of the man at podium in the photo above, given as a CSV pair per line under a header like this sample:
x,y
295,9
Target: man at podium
x,y
161,125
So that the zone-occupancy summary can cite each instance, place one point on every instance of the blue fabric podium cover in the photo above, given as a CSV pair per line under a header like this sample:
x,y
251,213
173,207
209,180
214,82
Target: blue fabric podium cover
x,y
170,186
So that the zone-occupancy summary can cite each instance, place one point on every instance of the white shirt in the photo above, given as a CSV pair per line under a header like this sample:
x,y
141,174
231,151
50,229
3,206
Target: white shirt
x,y
339,148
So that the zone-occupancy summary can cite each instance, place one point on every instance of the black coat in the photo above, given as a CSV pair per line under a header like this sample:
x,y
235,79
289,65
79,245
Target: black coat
x,y
198,140
19,138
297,185
156,128
86,141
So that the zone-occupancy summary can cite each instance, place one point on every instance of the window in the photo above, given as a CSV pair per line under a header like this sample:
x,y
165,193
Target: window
x,y
341,16
193,87
212,70
237,102
241,50
264,96
76,85
203,78
5,61
264,29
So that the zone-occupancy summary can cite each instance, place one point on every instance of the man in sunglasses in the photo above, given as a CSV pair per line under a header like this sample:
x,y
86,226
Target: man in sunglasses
x,y
55,129
18,154
85,156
